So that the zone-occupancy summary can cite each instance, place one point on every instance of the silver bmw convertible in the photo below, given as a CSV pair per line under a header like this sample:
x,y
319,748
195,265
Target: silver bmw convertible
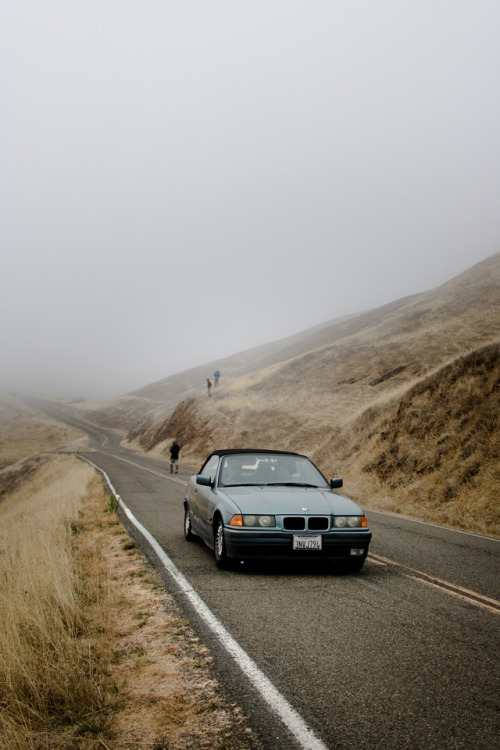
x,y
273,505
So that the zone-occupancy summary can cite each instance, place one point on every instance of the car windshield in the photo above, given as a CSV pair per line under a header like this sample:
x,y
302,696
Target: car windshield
x,y
269,468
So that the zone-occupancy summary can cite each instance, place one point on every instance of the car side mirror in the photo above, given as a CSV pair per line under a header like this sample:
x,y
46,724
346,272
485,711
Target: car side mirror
x,y
336,484
204,480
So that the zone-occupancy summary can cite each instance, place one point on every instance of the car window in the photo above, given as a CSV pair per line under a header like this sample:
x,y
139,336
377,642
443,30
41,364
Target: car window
x,y
308,473
210,467
251,468
234,470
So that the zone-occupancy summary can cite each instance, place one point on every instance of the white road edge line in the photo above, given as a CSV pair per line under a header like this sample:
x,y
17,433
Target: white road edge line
x,y
276,702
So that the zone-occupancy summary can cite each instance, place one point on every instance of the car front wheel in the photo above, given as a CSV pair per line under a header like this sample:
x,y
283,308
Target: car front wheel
x,y
188,529
221,559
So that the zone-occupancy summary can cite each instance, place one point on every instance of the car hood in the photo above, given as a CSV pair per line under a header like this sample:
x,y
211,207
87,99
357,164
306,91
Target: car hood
x,y
290,501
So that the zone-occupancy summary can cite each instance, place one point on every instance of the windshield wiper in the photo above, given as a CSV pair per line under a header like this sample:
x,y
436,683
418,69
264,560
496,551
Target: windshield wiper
x,y
291,484
238,484
270,484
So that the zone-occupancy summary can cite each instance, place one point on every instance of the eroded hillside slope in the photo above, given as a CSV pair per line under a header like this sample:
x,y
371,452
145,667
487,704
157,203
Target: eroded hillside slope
x,y
403,401
432,452
340,365
435,453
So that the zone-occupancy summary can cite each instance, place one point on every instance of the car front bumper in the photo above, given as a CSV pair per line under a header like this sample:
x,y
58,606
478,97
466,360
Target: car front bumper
x,y
275,545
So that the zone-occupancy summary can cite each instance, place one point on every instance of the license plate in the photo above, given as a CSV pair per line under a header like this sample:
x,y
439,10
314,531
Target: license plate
x,y
306,542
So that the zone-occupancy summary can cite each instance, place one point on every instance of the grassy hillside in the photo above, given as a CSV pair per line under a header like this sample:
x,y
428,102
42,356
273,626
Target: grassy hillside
x,y
372,396
435,452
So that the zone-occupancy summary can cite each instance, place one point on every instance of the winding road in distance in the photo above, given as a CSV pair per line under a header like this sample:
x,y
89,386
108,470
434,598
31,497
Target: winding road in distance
x,y
404,654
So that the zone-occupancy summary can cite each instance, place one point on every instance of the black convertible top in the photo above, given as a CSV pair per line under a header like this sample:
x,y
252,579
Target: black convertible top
x,y
260,451
231,451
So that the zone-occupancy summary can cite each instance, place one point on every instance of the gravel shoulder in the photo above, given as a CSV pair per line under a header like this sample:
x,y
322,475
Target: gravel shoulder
x,y
168,695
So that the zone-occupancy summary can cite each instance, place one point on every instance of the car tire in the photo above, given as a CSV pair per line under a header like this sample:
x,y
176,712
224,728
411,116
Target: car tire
x,y
188,529
221,559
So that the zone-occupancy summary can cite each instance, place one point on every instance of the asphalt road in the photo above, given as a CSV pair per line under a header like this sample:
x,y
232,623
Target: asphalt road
x,y
404,654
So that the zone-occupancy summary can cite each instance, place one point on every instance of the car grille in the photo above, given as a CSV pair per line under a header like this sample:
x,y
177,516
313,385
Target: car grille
x,y
301,523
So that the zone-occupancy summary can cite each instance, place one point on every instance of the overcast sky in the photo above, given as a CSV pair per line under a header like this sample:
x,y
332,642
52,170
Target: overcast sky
x,y
181,180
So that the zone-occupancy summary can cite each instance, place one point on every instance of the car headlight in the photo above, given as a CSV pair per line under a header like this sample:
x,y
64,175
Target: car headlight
x,y
265,521
253,520
351,522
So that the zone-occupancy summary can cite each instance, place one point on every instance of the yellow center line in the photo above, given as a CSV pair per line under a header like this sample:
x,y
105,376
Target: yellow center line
x,y
479,600
376,562
456,594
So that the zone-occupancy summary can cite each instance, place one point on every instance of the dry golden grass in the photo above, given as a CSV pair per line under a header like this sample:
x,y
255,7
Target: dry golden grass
x,y
433,451
23,431
50,672
95,654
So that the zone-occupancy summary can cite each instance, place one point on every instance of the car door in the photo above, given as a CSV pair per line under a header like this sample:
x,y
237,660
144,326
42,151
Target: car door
x,y
202,501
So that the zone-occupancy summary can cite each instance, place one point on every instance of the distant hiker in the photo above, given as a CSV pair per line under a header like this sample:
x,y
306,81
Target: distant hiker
x,y
216,378
174,457
209,386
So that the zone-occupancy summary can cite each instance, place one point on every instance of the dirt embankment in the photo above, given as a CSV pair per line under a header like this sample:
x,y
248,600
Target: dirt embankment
x,y
435,452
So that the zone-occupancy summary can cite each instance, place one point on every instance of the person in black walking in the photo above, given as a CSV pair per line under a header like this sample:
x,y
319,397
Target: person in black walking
x,y
174,457
209,386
